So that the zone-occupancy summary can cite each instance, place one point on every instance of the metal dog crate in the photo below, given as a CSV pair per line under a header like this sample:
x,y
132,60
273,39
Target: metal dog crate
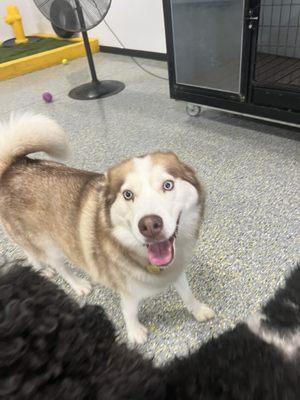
x,y
241,56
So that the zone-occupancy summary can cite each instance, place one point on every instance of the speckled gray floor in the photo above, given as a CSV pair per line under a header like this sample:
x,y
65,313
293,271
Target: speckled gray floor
x,y
250,169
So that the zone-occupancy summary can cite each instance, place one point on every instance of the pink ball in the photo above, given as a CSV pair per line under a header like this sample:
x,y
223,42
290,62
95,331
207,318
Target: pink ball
x,y
47,97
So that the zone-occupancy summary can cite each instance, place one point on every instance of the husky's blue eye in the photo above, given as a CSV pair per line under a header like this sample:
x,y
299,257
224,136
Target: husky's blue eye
x,y
128,195
168,185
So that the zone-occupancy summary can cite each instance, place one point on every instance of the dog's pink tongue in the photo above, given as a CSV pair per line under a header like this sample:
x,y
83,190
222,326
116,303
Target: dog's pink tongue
x,y
160,253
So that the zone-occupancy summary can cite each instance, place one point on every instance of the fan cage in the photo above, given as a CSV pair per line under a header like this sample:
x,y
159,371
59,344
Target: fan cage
x,y
94,11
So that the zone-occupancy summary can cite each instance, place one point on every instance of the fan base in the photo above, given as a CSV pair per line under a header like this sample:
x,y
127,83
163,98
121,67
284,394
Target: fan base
x,y
96,90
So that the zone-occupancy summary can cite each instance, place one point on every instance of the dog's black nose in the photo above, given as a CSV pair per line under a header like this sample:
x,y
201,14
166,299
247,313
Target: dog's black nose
x,y
151,226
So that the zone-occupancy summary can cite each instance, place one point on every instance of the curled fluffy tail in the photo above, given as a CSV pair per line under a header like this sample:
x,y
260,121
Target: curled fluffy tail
x,y
28,134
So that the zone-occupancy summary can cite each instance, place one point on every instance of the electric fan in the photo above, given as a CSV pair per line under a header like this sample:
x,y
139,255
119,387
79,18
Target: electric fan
x,y
81,16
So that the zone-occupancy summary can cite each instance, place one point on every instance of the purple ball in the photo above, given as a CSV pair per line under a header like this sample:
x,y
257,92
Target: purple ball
x,y
47,97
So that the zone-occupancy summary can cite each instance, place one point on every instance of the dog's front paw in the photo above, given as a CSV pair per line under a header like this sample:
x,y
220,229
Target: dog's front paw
x,y
202,312
137,334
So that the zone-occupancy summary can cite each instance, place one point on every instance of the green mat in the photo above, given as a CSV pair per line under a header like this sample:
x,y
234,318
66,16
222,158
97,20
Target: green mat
x,y
28,49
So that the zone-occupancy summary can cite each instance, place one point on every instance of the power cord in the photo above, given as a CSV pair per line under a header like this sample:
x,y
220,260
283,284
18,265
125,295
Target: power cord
x,y
133,58
123,46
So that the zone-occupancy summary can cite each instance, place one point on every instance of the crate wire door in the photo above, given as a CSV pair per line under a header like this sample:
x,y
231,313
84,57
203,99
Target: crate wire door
x,y
278,46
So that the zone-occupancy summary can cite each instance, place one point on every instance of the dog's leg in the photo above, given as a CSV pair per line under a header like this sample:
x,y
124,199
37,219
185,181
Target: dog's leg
x,y
81,286
56,259
199,310
38,266
137,333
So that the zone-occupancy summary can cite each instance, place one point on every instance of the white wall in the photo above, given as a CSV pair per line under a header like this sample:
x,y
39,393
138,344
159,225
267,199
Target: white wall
x,y
138,23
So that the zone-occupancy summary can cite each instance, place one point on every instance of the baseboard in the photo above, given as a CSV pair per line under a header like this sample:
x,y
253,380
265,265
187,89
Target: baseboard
x,y
134,53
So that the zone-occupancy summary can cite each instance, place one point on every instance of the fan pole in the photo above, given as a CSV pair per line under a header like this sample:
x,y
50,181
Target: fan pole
x,y
95,89
86,41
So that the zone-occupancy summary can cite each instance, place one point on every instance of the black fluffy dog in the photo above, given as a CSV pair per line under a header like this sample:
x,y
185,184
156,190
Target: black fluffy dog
x,y
50,348
257,360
